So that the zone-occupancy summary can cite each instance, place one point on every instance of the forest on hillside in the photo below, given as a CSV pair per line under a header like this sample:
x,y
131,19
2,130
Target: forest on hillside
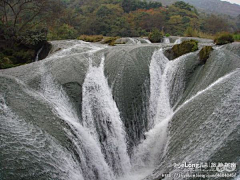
x,y
26,24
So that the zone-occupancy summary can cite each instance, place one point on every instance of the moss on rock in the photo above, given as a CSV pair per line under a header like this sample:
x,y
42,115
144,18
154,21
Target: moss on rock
x,y
205,53
223,38
181,49
110,40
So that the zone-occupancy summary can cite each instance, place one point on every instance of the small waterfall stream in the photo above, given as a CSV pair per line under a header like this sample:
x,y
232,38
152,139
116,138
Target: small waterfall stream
x,y
37,56
166,40
178,41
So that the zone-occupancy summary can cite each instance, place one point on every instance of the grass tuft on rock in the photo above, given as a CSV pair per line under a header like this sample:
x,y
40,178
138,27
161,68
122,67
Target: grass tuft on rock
x,y
205,53
110,40
91,38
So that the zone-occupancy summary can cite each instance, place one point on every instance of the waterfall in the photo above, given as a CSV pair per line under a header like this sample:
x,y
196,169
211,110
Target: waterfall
x,y
178,41
164,75
166,79
92,162
150,151
39,51
42,153
166,40
157,66
65,117
135,41
100,114
147,41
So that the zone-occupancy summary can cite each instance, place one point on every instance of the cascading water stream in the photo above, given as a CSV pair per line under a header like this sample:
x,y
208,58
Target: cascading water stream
x,y
91,144
157,67
149,152
92,162
147,41
166,40
37,56
161,70
178,41
37,146
134,41
100,114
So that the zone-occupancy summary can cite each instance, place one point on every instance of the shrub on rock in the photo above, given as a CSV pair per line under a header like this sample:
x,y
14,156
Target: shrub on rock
x,y
184,48
205,53
223,38
155,36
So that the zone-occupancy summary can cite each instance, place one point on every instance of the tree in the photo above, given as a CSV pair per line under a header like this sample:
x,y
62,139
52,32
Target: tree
x,y
183,5
21,14
155,36
214,24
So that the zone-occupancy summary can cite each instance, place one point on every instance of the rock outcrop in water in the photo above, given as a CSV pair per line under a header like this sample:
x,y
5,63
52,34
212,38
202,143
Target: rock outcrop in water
x,y
205,53
94,112
181,49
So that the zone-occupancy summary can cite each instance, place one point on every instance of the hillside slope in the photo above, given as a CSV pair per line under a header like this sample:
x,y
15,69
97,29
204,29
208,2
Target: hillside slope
x,y
212,6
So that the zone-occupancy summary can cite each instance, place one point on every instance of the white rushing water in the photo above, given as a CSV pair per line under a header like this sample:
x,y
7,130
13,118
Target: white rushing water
x,y
39,51
37,145
166,40
134,41
100,137
97,136
150,151
93,163
101,115
92,160
157,67
147,41
178,41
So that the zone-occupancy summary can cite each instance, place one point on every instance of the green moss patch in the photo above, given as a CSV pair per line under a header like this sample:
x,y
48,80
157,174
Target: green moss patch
x,y
205,53
223,38
184,48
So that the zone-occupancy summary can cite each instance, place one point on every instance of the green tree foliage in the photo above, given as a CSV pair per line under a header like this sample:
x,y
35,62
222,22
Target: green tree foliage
x,y
190,32
214,24
183,5
155,36
22,22
63,32
132,5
